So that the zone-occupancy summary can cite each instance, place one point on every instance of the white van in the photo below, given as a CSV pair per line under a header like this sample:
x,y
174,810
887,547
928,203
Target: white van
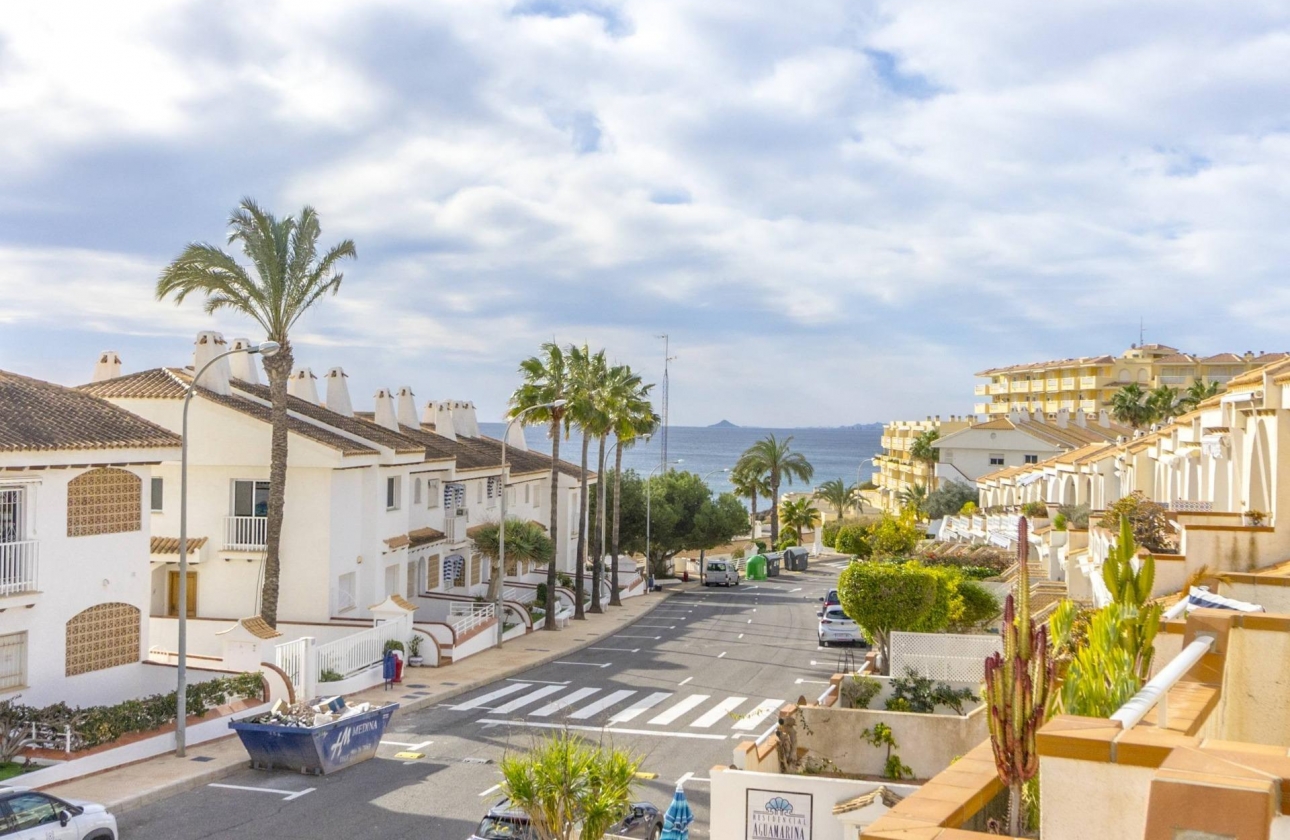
x,y
720,572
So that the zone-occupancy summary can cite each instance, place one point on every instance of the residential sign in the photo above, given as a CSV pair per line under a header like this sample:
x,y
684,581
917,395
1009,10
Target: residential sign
x,y
777,815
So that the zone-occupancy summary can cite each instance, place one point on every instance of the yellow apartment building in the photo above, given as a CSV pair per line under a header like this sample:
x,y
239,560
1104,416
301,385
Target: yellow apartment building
x,y
896,469
1089,382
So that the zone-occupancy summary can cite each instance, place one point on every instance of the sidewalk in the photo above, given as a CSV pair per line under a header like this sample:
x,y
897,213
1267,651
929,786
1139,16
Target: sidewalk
x,y
145,782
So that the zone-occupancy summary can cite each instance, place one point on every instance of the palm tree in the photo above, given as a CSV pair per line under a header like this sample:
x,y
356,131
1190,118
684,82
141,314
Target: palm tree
x,y
924,450
1164,403
288,278
1197,392
915,496
546,380
526,542
586,372
750,484
778,462
836,492
1129,406
634,418
600,424
798,514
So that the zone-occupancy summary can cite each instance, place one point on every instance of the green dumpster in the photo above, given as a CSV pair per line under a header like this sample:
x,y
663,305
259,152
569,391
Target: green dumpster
x,y
756,568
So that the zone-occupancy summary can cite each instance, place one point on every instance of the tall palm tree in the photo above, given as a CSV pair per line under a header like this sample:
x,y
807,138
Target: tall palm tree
x,y
838,493
634,418
546,380
1129,406
585,374
1197,392
924,450
600,424
287,278
799,514
778,462
1164,403
750,484
915,496
526,542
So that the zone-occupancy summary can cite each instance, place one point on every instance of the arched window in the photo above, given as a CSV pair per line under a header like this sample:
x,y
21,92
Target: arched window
x,y
103,636
104,501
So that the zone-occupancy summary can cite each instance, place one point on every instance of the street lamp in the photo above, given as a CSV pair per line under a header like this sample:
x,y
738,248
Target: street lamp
x,y
648,482
501,525
266,349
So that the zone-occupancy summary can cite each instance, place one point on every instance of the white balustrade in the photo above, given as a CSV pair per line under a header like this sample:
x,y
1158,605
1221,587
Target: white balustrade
x,y
362,650
466,617
245,533
293,659
19,566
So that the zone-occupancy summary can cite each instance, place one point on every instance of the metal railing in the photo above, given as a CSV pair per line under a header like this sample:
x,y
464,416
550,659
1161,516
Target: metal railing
x,y
245,533
454,525
293,659
466,617
355,653
1156,692
19,566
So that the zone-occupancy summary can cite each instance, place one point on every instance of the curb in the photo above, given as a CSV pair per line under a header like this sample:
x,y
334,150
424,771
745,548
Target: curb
x,y
139,800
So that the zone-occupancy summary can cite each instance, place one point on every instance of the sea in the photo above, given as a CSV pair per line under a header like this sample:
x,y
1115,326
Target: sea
x,y
708,450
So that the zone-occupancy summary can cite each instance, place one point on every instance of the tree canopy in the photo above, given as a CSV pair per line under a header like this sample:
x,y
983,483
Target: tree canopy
x,y
885,597
949,498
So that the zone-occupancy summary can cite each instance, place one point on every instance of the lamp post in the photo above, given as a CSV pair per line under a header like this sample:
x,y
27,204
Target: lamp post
x,y
266,348
501,525
649,479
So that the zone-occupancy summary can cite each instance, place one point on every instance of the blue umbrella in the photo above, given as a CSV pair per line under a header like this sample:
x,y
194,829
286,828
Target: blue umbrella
x,y
676,822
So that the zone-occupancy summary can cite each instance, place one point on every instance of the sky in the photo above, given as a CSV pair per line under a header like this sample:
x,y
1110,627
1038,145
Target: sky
x,y
838,210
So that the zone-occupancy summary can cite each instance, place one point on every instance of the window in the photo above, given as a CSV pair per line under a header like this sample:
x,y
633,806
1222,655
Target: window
x,y
433,566
432,492
345,593
13,520
527,489
104,501
392,493
996,459
1032,459
416,491
479,493
416,577
13,661
103,636
251,498
158,486
31,810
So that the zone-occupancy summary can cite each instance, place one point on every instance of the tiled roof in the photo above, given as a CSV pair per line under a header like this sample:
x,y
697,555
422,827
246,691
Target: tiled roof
x,y
1222,358
170,545
357,426
41,416
1054,363
403,602
294,424
1070,437
424,536
1177,359
1083,454
259,628
155,384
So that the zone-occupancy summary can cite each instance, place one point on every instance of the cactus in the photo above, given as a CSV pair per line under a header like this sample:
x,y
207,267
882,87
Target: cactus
x,y
1018,682
1131,589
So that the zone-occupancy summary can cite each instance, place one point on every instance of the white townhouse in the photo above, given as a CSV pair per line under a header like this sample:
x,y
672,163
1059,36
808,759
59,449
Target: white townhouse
x,y
378,503
75,485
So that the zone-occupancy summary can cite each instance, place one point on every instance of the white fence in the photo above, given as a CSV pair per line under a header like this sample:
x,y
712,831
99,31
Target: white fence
x,y
245,533
466,617
360,651
943,656
293,659
18,566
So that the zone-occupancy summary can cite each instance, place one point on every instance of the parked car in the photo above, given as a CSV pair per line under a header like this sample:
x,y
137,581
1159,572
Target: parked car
x,y
507,822
720,572
26,814
831,599
836,626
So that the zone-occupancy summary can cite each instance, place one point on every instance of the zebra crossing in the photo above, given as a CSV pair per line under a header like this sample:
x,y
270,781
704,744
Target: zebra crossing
x,y
658,712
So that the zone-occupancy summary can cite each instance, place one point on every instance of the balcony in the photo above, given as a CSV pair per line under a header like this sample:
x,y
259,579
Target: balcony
x,y
1068,383
1089,406
454,525
998,408
245,533
19,567
1087,383
1021,386
981,408
981,390
999,388
1176,380
1052,385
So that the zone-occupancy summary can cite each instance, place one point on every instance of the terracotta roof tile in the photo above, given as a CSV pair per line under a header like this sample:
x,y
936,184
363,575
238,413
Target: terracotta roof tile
x,y
425,536
358,426
41,416
170,545
259,628
157,384
403,602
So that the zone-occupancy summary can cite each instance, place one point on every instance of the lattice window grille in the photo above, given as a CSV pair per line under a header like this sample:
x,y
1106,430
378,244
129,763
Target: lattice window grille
x,y
942,656
104,501
103,636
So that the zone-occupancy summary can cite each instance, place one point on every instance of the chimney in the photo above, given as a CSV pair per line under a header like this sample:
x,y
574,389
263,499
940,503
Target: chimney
x,y
338,392
108,366
407,408
1038,416
385,410
243,365
515,436
1081,419
304,385
1063,417
442,419
1104,419
1014,416
208,345
464,422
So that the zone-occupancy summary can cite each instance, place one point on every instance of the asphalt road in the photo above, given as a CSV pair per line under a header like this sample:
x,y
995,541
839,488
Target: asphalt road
x,y
681,687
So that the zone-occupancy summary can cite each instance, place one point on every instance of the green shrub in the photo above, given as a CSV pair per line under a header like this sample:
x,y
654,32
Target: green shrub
x,y
737,554
786,540
392,644
866,688
1076,516
761,546
1035,510
968,509
540,592
1059,522
328,675
914,693
830,532
1150,525
564,580
853,539
980,607
949,498
894,536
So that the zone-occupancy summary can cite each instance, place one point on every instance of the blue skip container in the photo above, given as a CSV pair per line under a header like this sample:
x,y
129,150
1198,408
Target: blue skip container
x,y
315,750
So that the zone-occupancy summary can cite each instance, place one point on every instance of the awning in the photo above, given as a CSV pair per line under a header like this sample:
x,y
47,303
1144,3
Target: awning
x,y
1027,480
1200,597
166,549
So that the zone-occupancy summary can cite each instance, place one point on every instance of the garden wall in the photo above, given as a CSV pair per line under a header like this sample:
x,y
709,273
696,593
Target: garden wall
x,y
928,743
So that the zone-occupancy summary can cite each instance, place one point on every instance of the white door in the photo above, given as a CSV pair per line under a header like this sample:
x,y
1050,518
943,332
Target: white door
x,y
392,581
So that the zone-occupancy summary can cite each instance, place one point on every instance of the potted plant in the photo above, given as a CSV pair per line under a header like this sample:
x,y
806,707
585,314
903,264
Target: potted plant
x,y
1255,518
414,651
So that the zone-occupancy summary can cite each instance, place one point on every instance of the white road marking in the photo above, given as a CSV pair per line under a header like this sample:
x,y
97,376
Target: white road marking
x,y
623,650
568,700
717,712
539,682
757,715
488,698
636,709
798,589
741,635
720,655
621,636
750,621
528,699
655,627
799,681
592,664
684,681
411,747
536,725
287,795
679,709
690,777
601,704
491,790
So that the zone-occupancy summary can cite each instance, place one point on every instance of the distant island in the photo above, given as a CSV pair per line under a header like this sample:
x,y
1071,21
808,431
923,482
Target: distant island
x,y
864,426
724,424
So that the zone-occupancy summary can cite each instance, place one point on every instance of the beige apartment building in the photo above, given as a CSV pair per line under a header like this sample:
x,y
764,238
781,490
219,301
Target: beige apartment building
x,y
896,469
1088,383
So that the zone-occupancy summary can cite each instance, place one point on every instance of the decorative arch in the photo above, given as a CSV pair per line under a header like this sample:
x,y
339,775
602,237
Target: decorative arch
x,y
106,500
1259,495
103,636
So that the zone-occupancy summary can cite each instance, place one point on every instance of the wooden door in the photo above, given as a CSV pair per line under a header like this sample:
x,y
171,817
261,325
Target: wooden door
x,y
172,596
